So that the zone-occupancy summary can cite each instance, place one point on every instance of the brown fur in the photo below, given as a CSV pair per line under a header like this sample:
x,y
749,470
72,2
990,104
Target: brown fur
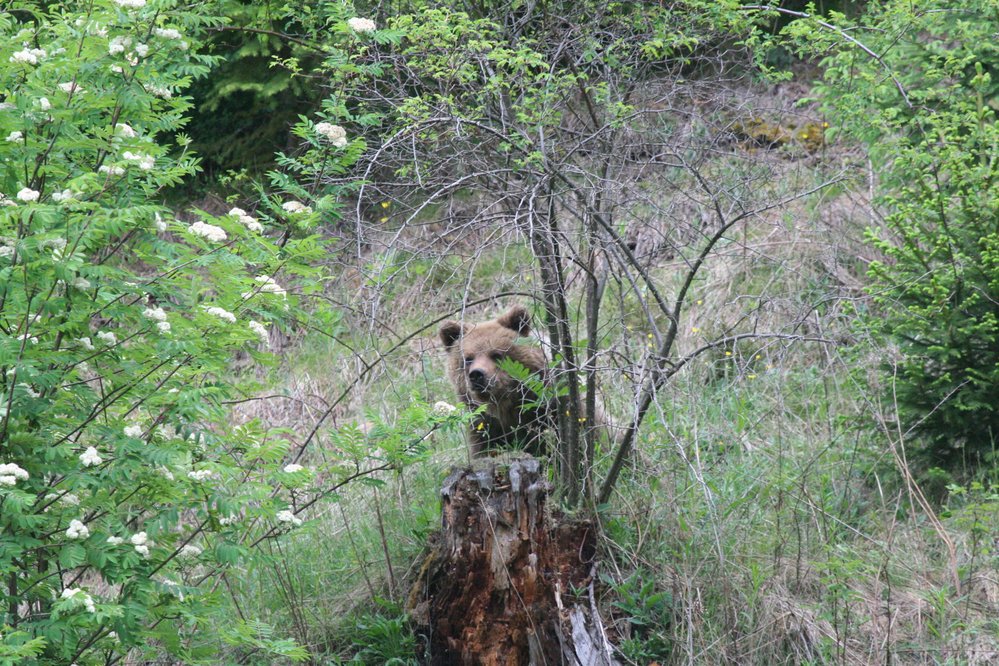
x,y
474,354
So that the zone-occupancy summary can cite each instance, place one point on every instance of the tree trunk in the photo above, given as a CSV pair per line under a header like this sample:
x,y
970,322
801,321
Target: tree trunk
x,y
505,583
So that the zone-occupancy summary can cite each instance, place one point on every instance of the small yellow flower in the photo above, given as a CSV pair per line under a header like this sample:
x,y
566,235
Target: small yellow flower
x,y
694,330
627,328
699,301
825,124
804,135
728,353
758,357
481,425
650,336
386,204
384,220
582,419
750,376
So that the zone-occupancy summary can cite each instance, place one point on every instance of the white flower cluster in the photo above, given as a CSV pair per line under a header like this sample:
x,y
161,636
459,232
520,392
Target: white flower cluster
x,y
247,220
154,314
133,431
173,587
70,87
86,344
335,134
287,516
361,25
77,593
160,223
65,195
80,283
141,543
190,550
131,4
27,194
91,457
260,331
11,473
172,34
108,338
167,33
44,104
122,129
14,136
77,530
268,285
115,540
442,408
228,520
119,44
222,314
202,475
30,56
294,207
145,162
112,170
159,91
207,231
292,468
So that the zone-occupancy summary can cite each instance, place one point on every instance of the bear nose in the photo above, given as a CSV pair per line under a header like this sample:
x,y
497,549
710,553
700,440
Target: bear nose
x,y
477,377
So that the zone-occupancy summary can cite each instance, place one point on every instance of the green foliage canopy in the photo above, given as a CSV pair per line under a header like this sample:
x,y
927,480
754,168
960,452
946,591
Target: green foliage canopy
x,y
923,100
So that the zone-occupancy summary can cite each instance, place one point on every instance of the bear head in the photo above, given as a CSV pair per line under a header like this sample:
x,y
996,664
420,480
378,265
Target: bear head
x,y
476,352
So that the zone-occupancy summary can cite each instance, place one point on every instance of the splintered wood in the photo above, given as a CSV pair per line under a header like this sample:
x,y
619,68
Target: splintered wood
x,y
507,583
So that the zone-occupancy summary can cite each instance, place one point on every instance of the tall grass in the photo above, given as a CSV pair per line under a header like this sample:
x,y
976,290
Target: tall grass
x,y
763,520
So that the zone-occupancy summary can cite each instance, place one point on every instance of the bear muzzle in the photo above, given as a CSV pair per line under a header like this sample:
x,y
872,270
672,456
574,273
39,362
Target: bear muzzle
x,y
478,380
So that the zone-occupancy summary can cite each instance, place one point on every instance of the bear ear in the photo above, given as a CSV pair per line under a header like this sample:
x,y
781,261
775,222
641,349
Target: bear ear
x,y
517,318
450,332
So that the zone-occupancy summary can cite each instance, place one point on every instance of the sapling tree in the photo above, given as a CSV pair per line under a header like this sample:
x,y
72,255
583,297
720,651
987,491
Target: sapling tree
x,y
575,130
915,85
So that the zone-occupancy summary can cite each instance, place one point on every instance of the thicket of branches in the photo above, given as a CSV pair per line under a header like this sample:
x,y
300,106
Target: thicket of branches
x,y
612,143
625,159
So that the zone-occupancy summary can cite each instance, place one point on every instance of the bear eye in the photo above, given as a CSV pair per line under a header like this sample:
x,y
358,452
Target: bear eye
x,y
469,359
496,356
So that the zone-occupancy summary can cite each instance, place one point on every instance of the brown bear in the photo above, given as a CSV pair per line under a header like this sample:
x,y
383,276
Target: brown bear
x,y
513,416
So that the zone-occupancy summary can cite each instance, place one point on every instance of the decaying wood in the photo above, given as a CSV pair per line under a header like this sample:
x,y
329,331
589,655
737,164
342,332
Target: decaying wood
x,y
507,583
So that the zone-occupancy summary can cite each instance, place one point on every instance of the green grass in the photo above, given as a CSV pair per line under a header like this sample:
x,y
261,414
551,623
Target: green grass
x,y
762,522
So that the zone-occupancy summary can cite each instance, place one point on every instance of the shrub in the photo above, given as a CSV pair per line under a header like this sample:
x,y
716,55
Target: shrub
x,y
926,112
122,486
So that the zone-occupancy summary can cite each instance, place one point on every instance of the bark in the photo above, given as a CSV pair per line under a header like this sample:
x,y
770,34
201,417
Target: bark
x,y
507,582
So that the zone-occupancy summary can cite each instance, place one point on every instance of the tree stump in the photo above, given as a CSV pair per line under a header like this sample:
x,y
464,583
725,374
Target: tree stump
x,y
507,584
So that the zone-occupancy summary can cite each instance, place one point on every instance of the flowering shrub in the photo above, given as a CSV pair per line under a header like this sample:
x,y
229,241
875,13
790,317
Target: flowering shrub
x,y
122,488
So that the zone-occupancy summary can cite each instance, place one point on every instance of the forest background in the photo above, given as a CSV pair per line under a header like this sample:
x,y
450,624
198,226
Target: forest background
x,y
766,236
